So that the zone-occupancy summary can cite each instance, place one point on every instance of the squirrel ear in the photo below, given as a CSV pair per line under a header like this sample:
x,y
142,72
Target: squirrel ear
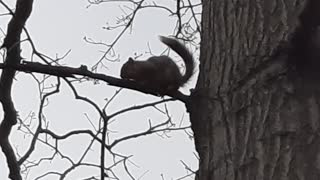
x,y
130,59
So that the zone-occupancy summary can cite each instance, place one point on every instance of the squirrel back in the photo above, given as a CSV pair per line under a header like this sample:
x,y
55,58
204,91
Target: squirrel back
x,y
160,72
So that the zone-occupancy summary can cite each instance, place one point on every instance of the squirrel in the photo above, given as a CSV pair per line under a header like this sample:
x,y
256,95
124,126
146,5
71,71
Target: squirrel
x,y
161,73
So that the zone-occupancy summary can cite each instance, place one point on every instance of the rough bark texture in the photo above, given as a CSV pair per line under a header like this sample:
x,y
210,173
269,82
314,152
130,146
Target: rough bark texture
x,y
256,107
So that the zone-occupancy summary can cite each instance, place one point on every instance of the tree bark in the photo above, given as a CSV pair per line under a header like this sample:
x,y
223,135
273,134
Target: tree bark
x,y
255,111
12,45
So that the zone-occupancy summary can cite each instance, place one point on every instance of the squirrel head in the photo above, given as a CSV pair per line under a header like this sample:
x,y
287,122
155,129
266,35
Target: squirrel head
x,y
127,69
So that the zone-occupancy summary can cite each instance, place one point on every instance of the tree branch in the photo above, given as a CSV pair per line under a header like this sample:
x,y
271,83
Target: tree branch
x,y
12,44
65,71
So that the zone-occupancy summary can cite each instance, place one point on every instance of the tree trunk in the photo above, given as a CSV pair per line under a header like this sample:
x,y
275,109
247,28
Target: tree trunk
x,y
256,108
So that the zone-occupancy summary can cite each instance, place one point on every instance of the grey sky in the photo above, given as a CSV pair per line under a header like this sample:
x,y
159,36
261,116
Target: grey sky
x,y
58,26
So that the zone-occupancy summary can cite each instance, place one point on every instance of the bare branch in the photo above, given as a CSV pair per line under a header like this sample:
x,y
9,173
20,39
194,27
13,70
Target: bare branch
x,y
65,71
12,44
151,130
39,128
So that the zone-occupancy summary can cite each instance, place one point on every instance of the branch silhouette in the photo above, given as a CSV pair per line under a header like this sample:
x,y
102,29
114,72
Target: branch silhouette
x,y
71,72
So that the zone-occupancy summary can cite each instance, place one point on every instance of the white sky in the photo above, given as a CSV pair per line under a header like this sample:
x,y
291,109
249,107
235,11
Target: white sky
x,y
58,26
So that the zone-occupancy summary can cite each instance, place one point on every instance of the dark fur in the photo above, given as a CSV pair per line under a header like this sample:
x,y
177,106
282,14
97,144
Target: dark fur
x,y
160,73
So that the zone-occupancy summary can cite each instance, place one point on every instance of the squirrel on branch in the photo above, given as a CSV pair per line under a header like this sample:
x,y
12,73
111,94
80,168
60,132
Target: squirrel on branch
x,y
161,73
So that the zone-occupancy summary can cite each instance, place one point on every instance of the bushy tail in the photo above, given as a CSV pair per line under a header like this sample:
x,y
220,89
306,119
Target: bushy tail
x,y
183,52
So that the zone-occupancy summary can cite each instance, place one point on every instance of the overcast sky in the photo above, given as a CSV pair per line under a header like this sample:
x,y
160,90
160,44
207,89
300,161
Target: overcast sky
x,y
59,26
